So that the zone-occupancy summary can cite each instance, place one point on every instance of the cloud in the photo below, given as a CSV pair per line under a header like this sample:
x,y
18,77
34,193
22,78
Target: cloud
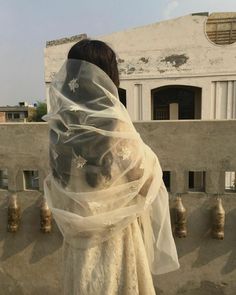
x,y
171,5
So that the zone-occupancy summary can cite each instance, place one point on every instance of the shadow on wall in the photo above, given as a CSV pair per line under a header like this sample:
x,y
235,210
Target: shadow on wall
x,y
28,233
195,234
13,287
206,288
199,238
10,284
212,249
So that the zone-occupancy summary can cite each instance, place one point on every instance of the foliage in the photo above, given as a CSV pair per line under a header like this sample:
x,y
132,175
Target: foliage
x,y
41,110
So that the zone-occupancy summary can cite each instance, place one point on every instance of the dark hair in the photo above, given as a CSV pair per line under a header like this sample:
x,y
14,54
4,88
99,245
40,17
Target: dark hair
x,y
101,55
98,53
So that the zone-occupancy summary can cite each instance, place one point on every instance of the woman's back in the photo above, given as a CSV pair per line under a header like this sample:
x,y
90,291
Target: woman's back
x,y
104,179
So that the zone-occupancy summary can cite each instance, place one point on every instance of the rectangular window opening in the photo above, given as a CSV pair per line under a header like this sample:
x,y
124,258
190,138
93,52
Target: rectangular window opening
x,y
166,179
31,179
9,115
230,181
3,179
197,181
16,115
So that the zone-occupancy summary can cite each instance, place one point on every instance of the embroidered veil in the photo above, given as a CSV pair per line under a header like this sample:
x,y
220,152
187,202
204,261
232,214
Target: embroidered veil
x,y
103,176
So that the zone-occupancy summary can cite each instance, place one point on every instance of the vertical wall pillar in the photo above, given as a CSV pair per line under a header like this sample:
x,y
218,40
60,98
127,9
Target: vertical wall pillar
x,y
234,100
47,95
146,103
198,179
174,111
179,182
215,181
208,112
229,107
130,101
138,102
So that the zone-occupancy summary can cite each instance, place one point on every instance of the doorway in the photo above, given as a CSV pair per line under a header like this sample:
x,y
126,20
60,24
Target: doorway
x,y
176,102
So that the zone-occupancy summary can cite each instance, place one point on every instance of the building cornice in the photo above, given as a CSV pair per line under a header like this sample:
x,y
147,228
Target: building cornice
x,y
65,40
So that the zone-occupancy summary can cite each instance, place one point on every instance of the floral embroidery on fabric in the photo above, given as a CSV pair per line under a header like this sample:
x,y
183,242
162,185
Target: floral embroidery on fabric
x,y
80,162
74,107
134,187
110,226
95,207
142,164
73,84
124,153
68,132
54,154
82,117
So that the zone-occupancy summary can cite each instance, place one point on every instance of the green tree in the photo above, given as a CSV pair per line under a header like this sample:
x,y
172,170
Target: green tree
x,y
41,110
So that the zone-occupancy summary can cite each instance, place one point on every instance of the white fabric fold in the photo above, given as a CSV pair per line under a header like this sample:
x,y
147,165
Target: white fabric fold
x,y
103,176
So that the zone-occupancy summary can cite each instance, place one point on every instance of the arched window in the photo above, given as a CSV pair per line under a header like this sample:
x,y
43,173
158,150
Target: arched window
x,y
176,102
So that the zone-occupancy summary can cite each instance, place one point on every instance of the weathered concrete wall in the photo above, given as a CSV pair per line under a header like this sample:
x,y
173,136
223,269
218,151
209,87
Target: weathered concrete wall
x,y
176,47
24,146
198,145
208,266
31,260
167,53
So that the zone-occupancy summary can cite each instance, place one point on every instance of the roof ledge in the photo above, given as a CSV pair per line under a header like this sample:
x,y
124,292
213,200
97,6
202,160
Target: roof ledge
x,y
75,38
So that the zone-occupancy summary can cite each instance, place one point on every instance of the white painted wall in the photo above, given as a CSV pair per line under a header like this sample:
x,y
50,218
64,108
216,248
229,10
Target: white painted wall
x,y
146,61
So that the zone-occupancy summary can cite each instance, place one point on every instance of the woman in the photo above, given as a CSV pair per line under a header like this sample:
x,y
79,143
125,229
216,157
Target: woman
x,y
105,188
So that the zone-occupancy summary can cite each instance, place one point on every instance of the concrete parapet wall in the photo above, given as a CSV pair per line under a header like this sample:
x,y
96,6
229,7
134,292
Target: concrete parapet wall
x,y
195,145
31,260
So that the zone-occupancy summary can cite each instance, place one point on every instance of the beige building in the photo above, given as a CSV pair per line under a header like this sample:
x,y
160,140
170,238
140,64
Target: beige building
x,y
19,113
182,68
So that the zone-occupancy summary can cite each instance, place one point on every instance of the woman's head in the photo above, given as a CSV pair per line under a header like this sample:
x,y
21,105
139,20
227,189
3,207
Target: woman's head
x,y
98,53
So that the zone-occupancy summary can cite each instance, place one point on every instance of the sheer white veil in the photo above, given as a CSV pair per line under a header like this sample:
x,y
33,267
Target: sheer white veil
x,y
103,176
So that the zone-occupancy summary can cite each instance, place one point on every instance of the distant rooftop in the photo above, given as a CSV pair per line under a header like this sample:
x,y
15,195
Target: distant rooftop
x,y
66,40
200,13
13,108
22,106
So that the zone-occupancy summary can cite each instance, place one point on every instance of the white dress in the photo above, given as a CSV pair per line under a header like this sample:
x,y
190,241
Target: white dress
x,y
118,266
105,251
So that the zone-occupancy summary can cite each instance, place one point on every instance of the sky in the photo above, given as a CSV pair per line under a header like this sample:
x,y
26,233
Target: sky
x,y
26,25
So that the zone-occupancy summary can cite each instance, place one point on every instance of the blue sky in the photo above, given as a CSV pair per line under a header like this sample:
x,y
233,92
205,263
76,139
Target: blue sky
x,y
26,25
